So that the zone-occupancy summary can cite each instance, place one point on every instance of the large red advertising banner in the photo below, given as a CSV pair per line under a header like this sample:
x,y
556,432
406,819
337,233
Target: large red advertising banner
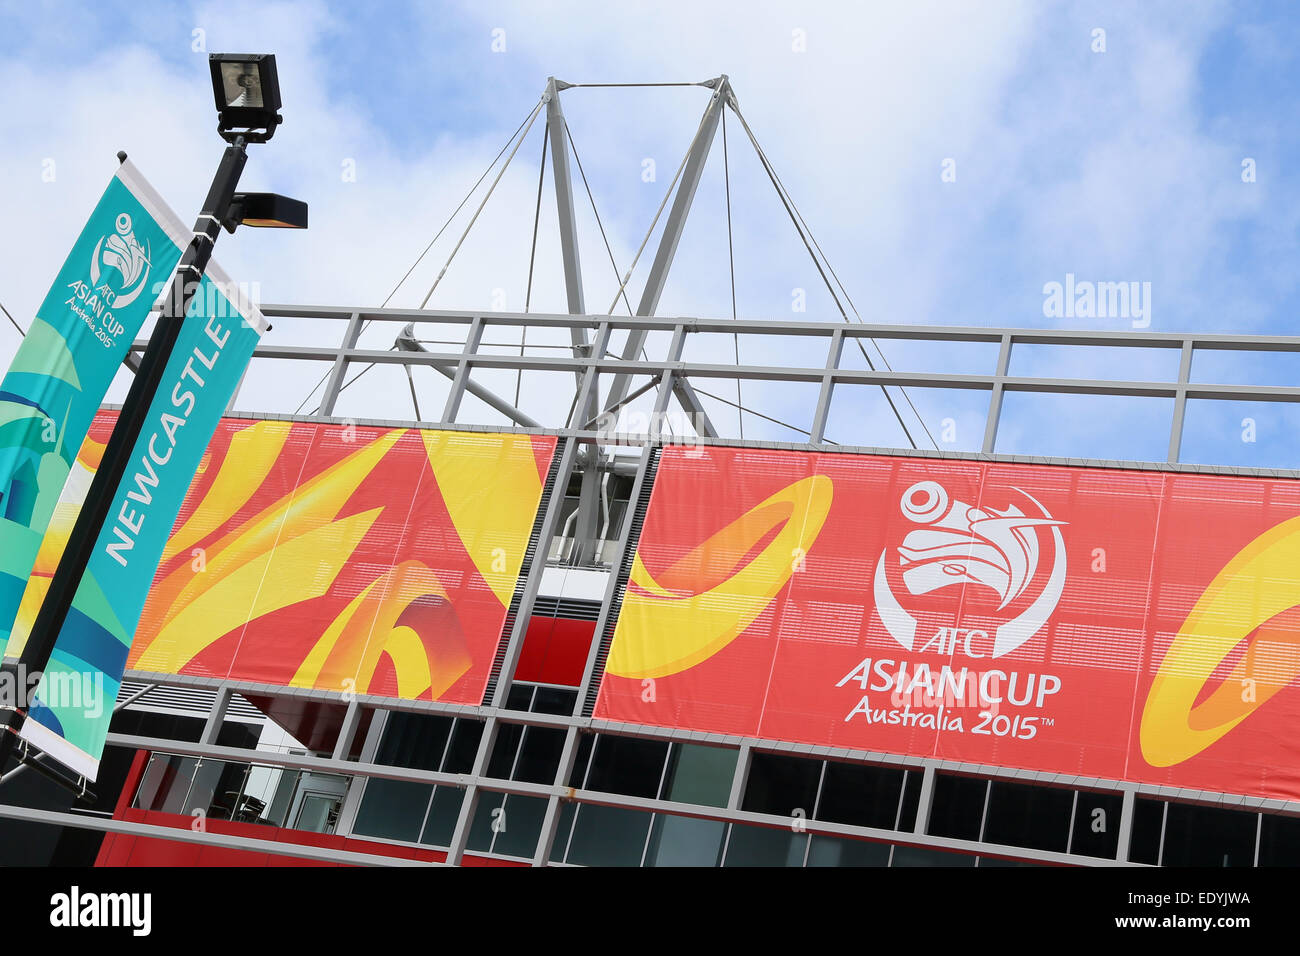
x,y
335,557
1127,625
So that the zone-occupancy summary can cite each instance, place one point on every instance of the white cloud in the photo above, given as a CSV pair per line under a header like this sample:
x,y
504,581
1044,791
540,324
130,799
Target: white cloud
x,y
1067,160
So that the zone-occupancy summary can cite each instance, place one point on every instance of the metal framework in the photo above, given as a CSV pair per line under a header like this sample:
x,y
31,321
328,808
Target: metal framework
x,y
618,364
580,449
600,373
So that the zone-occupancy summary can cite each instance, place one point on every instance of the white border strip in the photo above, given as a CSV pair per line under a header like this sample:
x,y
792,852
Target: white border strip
x,y
156,206
72,757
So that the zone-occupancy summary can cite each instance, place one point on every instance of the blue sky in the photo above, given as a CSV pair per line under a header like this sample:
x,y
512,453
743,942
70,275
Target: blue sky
x,y
1122,165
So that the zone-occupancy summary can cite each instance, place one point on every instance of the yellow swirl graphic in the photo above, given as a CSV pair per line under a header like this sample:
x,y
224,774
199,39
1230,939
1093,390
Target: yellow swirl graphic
x,y
1247,600
661,631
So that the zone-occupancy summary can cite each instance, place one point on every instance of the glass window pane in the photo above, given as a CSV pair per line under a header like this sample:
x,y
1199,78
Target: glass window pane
x,y
1279,841
520,697
765,846
629,765
1096,824
504,749
860,794
1022,814
992,861
539,757
562,831
463,746
911,799
227,794
487,817
577,779
414,740
608,836
392,809
1208,836
554,700
700,775
1144,845
958,806
920,856
685,841
278,792
782,784
443,813
203,789
833,851
520,825
166,782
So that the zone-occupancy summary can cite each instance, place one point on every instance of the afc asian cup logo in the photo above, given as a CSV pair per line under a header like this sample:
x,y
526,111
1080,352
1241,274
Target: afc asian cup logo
x,y
122,251
958,543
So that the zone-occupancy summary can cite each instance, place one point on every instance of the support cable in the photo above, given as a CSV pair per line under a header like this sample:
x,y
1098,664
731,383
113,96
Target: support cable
x,y
849,300
756,414
795,220
12,320
506,165
436,237
532,258
622,290
659,212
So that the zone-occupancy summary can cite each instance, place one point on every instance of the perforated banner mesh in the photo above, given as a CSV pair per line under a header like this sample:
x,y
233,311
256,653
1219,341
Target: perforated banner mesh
x,y
1134,625
338,557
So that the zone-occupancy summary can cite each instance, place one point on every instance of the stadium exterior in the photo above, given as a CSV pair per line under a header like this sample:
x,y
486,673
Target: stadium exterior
x,y
537,763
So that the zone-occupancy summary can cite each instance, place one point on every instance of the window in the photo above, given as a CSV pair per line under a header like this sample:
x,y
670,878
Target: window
x,y
1096,824
1279,840
835,851
508,824
922,856
417,741
765,846
698,774
1148,822
1022,814
440,823
608,836
628,765
958,806
782,784
418,812
393,809
685,841
1208,836
860,794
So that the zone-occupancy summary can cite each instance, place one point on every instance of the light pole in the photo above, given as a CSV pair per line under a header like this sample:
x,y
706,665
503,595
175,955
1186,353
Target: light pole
x,y
247,93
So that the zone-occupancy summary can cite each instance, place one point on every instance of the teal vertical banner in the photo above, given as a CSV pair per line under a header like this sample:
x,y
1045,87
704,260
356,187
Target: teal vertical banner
x,y
74,700
120,264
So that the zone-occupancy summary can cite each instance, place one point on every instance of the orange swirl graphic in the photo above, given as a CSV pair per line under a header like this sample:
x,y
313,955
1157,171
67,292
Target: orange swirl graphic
x,y
1247,601
661,631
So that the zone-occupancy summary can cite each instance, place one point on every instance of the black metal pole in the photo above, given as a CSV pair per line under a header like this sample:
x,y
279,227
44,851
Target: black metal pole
x,y
130,422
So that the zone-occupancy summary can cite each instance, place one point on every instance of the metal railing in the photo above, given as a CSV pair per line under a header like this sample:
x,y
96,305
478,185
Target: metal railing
x,y
509,360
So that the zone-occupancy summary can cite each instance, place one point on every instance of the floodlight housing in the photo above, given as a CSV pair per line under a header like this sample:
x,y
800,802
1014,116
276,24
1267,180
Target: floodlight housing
x,y
246,88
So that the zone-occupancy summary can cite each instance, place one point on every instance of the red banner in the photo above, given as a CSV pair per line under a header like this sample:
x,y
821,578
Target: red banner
x,y
1127,625
335,557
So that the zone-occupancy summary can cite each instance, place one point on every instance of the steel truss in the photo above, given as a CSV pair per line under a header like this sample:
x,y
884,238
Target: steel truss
x,y
593,365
